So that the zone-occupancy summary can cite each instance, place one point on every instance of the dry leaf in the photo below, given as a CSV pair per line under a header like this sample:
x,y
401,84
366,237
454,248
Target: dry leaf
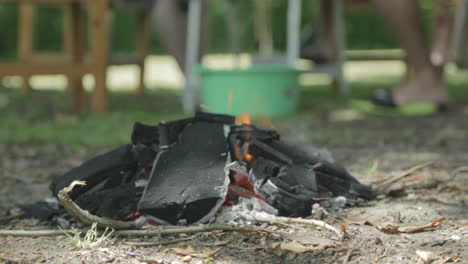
x,y
184,251
309,239
395,229
297,247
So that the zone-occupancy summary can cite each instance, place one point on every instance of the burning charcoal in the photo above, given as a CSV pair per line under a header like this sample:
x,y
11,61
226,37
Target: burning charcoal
x,y
188,183
178,172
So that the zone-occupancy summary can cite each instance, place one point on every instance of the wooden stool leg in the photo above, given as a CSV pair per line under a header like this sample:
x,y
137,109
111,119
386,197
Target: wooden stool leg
x,y
143,27
100,52
74,45
26,38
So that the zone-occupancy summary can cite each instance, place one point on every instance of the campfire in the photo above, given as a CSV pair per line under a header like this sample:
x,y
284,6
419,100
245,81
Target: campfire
x,y
182,172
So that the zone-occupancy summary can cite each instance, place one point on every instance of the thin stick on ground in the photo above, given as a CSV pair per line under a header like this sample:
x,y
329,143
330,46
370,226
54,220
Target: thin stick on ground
x,y
380,187
156,243
278,219
139,233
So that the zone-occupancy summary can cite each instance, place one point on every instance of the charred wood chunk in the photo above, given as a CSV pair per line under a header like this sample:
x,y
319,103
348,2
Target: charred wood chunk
x,y
170,131
259,149
187,184
330,176
214,118
288,188
114,163
145,134
143,154
246,132
116,202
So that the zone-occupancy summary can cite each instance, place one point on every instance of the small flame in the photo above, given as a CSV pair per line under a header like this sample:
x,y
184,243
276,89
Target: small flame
x,y
248,157
242,151
244,119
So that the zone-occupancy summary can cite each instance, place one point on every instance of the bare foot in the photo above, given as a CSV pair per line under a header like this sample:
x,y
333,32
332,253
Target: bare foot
x,y
427,86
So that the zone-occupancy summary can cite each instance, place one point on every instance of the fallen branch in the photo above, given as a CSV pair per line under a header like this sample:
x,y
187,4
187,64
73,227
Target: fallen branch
x,y
33,233
267,218
156,243
86,217
185,230
139,233
379,187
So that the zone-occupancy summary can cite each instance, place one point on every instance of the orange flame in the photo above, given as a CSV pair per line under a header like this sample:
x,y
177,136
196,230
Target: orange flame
x,y
242,151
244,119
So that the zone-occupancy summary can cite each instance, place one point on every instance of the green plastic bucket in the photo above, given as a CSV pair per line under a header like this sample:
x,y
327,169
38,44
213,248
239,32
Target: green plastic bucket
x,y
260,90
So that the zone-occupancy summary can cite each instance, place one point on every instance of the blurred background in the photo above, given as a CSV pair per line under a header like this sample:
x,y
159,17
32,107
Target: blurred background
x,y
47,114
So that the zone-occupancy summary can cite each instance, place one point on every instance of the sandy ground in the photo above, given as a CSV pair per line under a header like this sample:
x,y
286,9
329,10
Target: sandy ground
x,y
374,148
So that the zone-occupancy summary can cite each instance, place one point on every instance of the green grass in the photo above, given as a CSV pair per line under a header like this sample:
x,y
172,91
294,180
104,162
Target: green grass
x,y
48,116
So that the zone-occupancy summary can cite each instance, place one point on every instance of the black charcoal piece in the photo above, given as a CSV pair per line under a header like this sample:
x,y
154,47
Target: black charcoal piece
x,y
216,118
42,210
329,175
115,202
94,171
145,134
288,188
188,183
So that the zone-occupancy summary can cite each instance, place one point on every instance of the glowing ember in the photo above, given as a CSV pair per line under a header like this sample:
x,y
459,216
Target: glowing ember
x,y
242,150
244,119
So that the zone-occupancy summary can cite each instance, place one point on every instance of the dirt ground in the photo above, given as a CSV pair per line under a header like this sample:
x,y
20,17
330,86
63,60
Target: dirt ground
x,y
374,148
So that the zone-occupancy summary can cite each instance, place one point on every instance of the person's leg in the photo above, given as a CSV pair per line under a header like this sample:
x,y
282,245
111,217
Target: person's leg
x,y
444,23
427,83
325,48
171,26
170,19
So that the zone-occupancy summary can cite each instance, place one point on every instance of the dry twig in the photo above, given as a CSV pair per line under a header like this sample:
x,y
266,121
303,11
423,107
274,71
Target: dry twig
x,y
381,186
140,233
275,219
156,243
84,216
